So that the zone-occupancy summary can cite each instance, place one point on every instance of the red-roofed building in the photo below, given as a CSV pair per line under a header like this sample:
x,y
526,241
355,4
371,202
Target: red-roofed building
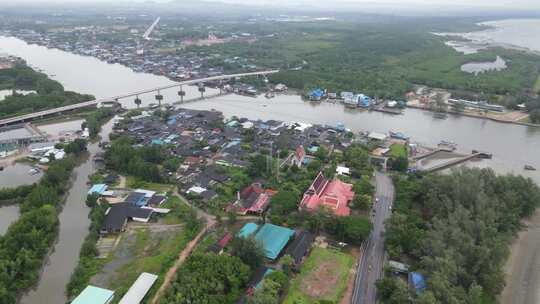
x,y
253,200
218,247
333,195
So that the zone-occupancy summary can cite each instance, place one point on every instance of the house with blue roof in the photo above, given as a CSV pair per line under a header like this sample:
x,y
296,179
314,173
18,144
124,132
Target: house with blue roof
x,y
97,189
363,101
316,95
248,229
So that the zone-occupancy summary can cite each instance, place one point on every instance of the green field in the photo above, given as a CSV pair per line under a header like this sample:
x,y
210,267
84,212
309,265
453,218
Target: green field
x,y
143,251
398,150
134,183
324,276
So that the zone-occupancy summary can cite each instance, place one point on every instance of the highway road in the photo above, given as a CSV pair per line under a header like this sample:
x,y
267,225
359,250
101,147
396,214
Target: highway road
x,y
371,263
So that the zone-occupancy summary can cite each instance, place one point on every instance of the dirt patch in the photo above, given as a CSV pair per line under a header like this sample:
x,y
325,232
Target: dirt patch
x,y
322,280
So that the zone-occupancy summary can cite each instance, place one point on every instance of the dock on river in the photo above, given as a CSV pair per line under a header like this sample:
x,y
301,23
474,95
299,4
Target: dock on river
x,y
455,162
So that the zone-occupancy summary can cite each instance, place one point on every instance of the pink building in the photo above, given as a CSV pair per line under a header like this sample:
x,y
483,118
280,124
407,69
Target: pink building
x,y
334,195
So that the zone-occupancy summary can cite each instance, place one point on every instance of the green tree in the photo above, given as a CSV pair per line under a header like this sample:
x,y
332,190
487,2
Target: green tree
x,y
287,263
76,147
268,293
249,250
535,116
208,278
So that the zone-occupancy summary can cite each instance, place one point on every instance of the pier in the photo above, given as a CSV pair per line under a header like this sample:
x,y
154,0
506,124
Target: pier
x,y
455,162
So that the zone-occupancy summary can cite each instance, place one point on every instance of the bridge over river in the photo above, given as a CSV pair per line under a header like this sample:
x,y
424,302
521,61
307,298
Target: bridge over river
x,y
40,114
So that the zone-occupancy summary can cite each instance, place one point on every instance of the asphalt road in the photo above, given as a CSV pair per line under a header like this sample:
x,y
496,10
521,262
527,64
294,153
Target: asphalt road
x,y
370,265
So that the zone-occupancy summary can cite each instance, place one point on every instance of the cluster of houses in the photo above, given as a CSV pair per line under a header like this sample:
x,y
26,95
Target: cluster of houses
x,y
208,145
96,41
277,241
138,205
350,99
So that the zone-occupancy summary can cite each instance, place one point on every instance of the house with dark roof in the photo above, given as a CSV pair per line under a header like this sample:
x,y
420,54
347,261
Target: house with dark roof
x,y
300,246
136,199
117,216
156,200
253,199
333,195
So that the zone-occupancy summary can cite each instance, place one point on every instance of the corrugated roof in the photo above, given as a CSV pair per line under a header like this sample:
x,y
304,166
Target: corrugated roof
x,y
98,189
94,295
248,230
274,239
139,289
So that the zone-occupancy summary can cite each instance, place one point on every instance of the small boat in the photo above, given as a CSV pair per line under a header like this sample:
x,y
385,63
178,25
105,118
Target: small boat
x,y
33,171
440,115
1,168
529,168
270,94
398,135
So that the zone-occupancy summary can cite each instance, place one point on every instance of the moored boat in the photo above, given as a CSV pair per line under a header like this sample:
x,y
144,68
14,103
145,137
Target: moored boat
x,y
529,168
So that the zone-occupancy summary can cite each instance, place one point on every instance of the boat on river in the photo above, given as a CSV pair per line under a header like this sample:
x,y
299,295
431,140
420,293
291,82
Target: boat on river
x,y
529,168
398,135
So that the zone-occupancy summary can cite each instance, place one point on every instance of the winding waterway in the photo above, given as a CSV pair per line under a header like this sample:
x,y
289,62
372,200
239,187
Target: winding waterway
x,y
512,146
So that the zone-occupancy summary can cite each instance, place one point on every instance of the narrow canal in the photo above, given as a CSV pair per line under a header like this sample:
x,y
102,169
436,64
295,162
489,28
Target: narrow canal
x,y
512,146
74,224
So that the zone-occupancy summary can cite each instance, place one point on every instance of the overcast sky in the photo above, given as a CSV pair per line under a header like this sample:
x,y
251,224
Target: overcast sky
x,y
532,5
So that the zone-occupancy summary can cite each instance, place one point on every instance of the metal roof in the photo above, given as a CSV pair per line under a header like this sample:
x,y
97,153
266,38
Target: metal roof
x,y
139,289
94,295
274,239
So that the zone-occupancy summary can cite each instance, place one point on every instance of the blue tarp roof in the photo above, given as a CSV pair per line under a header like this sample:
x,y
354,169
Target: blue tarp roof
x,y
157,142
317,93
98,189
248,230
274,239
417,281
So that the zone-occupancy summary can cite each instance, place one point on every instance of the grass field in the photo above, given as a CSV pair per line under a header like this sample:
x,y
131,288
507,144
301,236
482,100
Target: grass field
x,y
132,182
142,251
397,150
324,276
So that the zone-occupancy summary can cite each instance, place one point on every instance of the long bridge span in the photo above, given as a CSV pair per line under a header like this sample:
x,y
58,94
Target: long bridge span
x,y
26,117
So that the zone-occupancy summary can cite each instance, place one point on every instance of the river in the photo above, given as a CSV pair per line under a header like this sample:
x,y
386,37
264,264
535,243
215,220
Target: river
x,y
512,146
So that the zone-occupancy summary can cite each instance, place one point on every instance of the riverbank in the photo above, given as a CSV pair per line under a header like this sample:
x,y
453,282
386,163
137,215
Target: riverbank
x,y
512,145
522,277
518,121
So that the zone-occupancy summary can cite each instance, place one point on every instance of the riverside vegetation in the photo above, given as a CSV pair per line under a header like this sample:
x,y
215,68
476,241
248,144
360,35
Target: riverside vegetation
x,y
458,235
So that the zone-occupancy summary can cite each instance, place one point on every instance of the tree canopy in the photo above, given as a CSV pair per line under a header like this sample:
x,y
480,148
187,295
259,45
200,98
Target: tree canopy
x,y
208,279
457,228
